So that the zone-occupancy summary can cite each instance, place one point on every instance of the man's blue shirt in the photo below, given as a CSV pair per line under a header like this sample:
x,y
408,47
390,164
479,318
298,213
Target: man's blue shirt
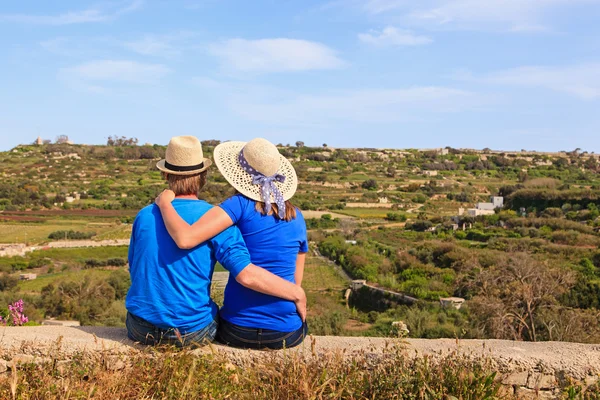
x,y
274,245
170,287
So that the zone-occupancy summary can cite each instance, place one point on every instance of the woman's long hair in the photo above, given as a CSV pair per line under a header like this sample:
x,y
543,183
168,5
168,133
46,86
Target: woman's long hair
x,y
290,210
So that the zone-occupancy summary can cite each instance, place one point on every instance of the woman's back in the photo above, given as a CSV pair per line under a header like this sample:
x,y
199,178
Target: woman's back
x,y
273,244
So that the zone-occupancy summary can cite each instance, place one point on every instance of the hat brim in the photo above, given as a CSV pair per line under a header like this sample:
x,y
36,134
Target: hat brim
x,y
226,159
161,166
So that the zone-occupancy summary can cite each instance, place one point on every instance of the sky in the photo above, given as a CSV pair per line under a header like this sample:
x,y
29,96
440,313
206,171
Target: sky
x,y
503,74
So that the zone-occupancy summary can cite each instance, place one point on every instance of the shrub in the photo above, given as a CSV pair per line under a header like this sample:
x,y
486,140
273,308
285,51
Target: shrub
x,y
7,282
369,184
396,217
72,235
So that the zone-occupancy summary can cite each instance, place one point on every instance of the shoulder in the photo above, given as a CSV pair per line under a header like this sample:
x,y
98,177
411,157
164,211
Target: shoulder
x,y
147,211
238,201
299,215
241,199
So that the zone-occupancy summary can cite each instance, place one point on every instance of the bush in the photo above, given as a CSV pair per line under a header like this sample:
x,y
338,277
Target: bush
x,y
419,226
7,282
396,217
72,235
369,184
419,198
112,262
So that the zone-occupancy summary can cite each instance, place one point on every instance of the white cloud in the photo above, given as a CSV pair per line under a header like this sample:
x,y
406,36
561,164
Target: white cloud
x,y
391,36
380,6
504,15
95,75
168,45
75,17
152,45
285,108
275,55
582,81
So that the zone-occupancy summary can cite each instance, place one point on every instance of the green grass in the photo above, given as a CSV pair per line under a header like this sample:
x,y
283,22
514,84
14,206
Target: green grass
x,y
119,232
36,285
34,233
366,212
318,275
80,254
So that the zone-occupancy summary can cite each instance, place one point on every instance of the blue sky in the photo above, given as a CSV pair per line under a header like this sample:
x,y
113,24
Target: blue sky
x,y
504,74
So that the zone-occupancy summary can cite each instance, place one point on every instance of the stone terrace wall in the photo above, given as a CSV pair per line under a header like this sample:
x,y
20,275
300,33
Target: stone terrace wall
x,y
533,370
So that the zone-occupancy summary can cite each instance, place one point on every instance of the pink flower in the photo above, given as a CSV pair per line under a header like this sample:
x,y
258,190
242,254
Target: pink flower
x,y
16,312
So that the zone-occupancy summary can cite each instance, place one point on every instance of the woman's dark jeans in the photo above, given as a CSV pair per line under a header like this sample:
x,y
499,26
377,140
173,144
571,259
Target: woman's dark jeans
x,y
140,330
256,338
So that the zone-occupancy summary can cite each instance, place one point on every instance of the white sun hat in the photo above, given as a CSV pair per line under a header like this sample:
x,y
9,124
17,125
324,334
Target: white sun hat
x,y
255,169
184,157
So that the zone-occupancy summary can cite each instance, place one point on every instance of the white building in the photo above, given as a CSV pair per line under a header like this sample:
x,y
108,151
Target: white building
x,y
476,212
455,302
485,206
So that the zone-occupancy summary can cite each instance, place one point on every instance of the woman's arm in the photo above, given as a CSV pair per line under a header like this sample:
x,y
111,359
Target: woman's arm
x,y
299,274
188,236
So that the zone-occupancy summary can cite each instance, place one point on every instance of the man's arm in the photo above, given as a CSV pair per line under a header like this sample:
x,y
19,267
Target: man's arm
x,y
263,281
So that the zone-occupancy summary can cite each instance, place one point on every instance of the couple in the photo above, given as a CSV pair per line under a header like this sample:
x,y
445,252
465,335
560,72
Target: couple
x,y
257,235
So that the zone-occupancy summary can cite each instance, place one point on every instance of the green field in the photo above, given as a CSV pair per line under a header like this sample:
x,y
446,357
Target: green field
x,y
367,213
36,285
320,276
34,233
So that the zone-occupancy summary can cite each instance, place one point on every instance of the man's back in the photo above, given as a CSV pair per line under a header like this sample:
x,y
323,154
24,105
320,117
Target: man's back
x,y
170,287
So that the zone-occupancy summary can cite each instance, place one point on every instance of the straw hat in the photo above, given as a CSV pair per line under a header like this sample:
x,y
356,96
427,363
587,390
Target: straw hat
x,y
184,157
261,155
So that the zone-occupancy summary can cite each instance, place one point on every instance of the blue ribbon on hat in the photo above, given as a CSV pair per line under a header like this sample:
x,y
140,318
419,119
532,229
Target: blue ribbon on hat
x,y
267,185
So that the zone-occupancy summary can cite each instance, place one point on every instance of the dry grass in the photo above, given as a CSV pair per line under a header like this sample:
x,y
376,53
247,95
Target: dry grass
x,y
172,374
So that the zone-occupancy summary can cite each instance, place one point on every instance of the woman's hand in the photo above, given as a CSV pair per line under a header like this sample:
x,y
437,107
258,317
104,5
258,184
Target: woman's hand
x,y
166,197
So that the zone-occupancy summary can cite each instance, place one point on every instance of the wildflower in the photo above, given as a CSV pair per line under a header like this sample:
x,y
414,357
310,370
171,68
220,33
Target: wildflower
x,y
16,312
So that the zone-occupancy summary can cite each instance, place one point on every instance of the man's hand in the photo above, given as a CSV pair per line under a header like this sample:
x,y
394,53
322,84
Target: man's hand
x,y
166,197
301,305
263,281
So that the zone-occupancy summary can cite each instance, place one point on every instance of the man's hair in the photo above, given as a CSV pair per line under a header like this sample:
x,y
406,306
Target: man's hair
x,y
185,185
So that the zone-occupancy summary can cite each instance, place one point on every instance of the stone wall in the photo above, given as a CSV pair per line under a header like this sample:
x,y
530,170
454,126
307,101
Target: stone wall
x,y
530,370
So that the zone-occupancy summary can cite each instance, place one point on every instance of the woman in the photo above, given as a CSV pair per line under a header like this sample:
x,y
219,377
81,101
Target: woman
x,y
275,234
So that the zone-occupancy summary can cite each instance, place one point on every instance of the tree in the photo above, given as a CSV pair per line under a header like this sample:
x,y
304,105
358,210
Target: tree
x,y
299,144
61,139
512,295
591,163
121,141
325,145
369,184
7,282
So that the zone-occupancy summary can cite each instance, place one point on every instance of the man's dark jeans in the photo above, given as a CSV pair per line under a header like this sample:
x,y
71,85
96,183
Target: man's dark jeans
x,y
255,338
140,330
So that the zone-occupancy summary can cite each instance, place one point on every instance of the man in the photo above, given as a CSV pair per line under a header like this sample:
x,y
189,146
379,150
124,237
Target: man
x,y
169,298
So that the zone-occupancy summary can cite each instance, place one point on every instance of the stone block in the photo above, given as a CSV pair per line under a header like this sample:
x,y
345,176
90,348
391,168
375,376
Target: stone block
x,y
3,366
541,381
516,379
